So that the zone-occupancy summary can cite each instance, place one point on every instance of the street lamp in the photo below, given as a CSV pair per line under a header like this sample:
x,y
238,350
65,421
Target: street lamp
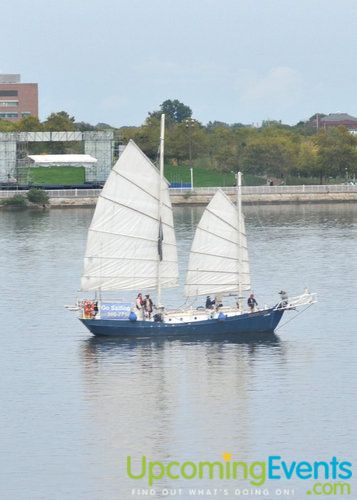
x,y
190,122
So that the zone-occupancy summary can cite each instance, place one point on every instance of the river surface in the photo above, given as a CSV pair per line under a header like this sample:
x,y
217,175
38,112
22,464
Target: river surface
x,y
74,407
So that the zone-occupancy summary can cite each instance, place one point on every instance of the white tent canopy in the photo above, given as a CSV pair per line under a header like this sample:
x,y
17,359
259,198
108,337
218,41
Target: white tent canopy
x,y
71,160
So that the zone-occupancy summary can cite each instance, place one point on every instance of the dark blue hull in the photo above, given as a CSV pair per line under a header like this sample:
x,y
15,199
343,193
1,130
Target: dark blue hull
x,y
258,322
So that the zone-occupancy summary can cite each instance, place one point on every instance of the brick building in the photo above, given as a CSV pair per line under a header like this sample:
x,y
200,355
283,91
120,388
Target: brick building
x,y
336,119
17,99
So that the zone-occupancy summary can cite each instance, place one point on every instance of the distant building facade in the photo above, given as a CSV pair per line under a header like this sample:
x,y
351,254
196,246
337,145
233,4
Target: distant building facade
x,y
17,100
336,119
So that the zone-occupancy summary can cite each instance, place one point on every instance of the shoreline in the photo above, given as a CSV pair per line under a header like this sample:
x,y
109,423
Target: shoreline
x,y
257,195
247,199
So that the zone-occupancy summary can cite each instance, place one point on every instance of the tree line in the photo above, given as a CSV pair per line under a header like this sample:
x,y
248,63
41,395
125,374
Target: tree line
x,y
272,150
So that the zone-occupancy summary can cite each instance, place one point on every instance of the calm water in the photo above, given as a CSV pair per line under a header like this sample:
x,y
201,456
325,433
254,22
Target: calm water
x,y
73,407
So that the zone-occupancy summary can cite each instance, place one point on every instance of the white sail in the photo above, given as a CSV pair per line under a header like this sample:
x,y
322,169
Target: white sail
x,y
218,261
126,240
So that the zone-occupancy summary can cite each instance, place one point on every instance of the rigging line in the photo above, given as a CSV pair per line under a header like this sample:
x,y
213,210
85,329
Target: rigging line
x,y
236,228
209,271
296,315
131,235
131,181
213,255
216,235
144,155
123,205
181,306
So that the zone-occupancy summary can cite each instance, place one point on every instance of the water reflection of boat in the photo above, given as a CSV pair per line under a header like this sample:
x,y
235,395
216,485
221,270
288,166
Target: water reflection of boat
x,y
102,346
131,246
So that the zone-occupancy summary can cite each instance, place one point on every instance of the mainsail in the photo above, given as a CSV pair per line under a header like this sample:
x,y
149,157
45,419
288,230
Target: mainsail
x,y
218,261
127,228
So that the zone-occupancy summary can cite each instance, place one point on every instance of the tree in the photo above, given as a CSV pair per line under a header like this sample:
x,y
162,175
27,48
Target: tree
x,y
216,124
337,152
83,126
103,126
186,141
29,124
271,151
175,111
7,126
37,196
147,136
15,201
222,149
59,122
307,164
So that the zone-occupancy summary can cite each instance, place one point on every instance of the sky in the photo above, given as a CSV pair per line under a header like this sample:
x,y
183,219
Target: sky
x,y
114,61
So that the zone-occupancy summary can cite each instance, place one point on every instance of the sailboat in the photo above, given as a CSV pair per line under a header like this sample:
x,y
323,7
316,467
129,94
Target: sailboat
x,y
131,246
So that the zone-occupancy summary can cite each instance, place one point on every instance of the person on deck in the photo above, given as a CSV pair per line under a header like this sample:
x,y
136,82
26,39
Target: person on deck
x,y
139,303
284,298
218,301
252,303
148,306
209,302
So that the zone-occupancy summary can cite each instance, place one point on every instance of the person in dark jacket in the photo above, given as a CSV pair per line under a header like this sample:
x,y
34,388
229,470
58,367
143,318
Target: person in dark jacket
x,y
209,303
148,306
252,303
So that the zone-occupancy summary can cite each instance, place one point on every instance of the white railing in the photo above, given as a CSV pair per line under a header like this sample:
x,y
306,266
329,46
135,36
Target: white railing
x,y
57,193
246,190
304,299
333,188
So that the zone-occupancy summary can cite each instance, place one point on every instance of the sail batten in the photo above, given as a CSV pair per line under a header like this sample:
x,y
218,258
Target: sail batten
x,y
130,208
140,187
218,261
222,219
126,235
215,235
122,245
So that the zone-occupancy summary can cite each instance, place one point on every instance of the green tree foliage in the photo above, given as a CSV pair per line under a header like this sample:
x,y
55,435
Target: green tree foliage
x,y
14,201
61,121
174,110
270,151
29,124
7,126
147,136
273,150
337,152
83,126
37,196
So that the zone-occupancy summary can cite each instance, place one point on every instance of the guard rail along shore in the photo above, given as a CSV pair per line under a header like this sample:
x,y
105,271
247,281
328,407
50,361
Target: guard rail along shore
x,y
202,195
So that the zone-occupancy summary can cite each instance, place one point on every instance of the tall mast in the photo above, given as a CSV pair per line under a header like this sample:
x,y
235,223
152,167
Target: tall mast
x,y
239,215
162,135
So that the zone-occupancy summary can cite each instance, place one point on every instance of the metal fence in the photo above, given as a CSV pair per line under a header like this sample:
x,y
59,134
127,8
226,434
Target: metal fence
x,y
57,193
246,190
273,190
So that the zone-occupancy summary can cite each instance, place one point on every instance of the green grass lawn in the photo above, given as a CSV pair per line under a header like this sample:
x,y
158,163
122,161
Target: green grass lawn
x,y
201,176
57,175
204,177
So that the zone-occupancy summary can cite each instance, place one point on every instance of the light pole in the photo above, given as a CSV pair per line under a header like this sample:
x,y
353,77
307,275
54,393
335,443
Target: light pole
x,y
190,122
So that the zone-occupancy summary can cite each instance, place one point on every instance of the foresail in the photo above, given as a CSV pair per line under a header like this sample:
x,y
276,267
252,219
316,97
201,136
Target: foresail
x,y
218,259
126,236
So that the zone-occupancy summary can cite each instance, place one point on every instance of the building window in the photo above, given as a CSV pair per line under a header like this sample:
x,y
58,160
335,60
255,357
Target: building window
x,y
25,113
8,93
8,104
9,115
